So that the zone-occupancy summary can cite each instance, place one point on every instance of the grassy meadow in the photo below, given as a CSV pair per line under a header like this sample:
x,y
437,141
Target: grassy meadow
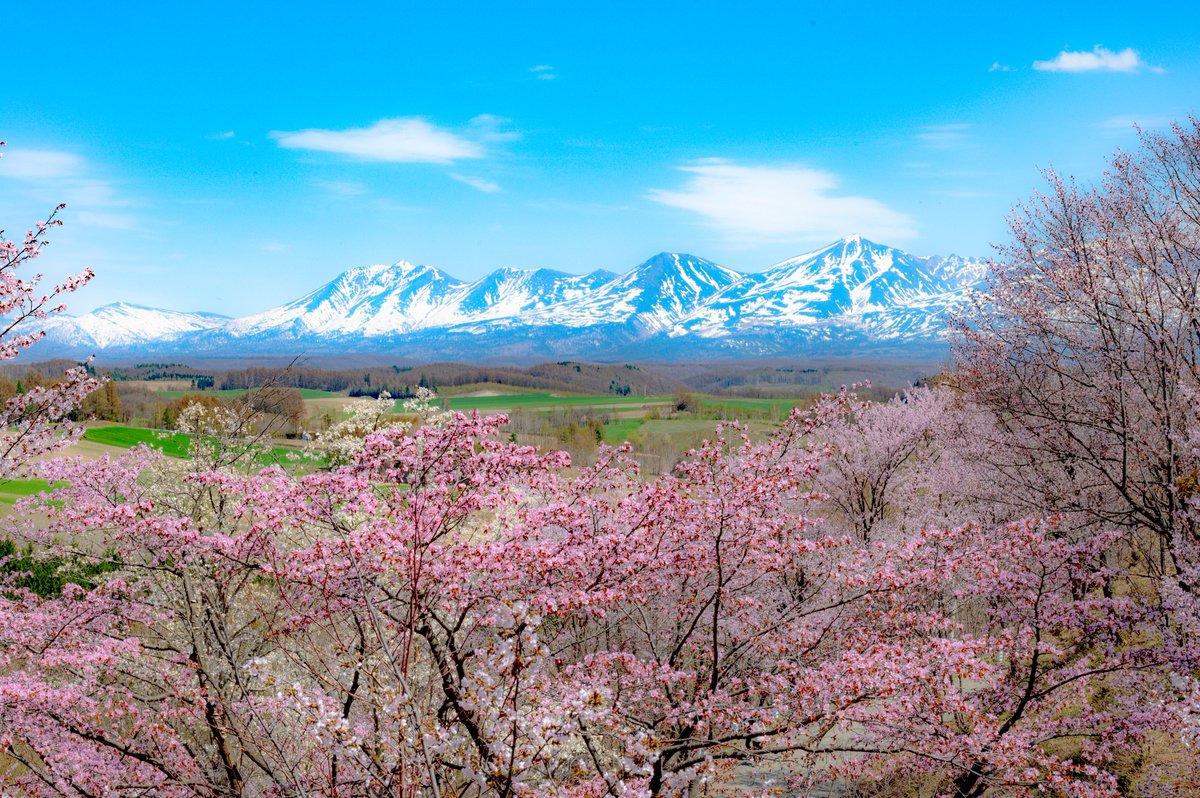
x,y
13,489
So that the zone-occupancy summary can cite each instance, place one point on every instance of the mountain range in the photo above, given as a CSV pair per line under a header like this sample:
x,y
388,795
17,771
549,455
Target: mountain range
x,y
851,296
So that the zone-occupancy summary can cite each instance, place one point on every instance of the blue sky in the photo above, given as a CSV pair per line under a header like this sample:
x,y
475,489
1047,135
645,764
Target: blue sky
x,y
231,156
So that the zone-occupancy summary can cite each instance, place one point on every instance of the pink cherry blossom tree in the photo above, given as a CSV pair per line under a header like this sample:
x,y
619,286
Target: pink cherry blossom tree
x,y
895,468
34,422
452,614
1086,345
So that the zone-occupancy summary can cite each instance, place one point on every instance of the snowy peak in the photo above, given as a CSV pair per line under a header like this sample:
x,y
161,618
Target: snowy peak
x,y
852,293
851,279
500,286
127,324
671,265
956,272
855,275
852,261
653,295
508,292
673,285
369,283
366,300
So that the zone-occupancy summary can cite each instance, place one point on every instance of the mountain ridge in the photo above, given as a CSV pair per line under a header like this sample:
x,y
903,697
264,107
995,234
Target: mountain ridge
x,y
852,294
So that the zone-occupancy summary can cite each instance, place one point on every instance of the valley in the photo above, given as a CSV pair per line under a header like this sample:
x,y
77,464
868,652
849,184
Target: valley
x,y
661,410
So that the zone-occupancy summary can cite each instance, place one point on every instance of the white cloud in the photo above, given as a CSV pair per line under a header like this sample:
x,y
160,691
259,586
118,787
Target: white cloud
x,y
785,203
543,72
479,183
224,135
53,176
402,140
1099,59
998,67
31,165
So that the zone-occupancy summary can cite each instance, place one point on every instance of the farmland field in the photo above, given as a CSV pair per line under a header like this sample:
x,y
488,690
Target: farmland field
x,y
549,401
774,409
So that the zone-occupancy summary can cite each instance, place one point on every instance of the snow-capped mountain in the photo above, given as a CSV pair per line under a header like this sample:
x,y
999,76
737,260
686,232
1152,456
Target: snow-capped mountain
x,y
653,295
957,272
380,301
122,324
853,280
368,301
852,294
509,293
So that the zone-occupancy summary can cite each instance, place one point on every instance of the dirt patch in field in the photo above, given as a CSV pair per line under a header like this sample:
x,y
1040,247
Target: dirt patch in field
x,y
162,385
637,412
89,450
336,404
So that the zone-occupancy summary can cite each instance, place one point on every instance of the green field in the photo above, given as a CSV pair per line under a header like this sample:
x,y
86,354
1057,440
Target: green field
x,y
714,406
625,429
756,408
171,444
13,489
546,400
229,393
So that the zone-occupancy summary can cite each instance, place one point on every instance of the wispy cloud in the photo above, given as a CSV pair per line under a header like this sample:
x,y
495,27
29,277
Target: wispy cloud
x,y
478,183
35,165
491,128
224,135
781,203
1099,59
1128,122
998,67
944,134
342,188
410,139
543,72
54,176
